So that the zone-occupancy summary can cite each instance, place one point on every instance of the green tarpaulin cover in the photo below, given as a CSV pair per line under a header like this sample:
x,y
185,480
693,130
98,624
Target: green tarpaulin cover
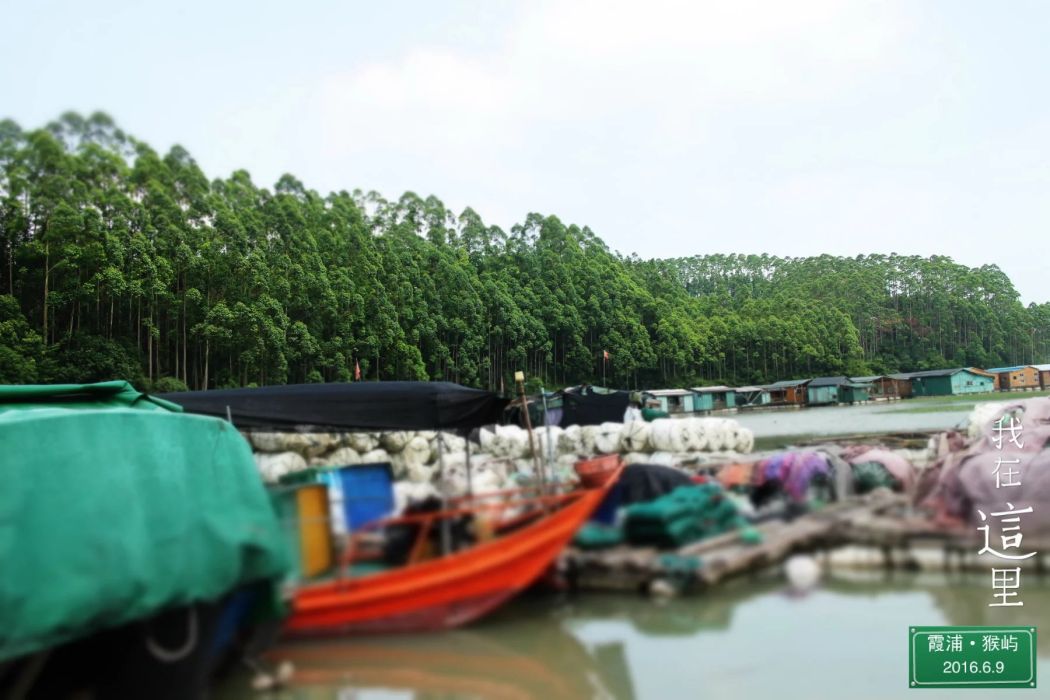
x,y
687,514
115,506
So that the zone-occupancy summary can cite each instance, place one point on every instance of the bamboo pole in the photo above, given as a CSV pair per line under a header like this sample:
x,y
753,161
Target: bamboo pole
x,y
519,377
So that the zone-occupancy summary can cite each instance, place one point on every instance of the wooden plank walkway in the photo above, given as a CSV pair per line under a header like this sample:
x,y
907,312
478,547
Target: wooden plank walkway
x,y
713,560
959,548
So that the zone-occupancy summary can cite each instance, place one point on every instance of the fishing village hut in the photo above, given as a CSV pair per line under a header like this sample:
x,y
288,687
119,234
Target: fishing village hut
x,y
674,400
885,386
788,391
713,398
1016,378
854,392
1044,376
831,390
748,396
984,372
951,382
904,387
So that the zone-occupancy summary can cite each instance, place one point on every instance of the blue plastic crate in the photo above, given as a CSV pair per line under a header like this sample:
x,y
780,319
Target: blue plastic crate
x,y
605,513
368,493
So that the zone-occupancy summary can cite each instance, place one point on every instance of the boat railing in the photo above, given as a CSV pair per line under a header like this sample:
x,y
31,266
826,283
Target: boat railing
x,y
513,509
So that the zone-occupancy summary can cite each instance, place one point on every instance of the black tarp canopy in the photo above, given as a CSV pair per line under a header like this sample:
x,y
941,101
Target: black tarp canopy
x,y
356,406
590,408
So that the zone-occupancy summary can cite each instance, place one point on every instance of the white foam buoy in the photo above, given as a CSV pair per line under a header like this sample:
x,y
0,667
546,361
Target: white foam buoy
x,y
803,572
662,589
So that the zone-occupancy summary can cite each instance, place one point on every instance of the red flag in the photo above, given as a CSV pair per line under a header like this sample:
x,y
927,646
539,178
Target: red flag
x,y
357,371
605,354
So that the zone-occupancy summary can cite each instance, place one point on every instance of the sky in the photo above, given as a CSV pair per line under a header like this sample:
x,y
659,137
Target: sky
x,y
669,128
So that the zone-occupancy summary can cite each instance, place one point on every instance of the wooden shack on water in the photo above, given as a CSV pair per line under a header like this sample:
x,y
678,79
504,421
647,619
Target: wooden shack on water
x,y
674,400
713,398
1044,376
886,386
1016,378
751,396
788,391
951,382
823,391
904,387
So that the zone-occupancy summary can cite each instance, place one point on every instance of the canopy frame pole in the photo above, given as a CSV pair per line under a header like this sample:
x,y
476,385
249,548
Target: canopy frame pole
x,y
549,452
470,473
446,534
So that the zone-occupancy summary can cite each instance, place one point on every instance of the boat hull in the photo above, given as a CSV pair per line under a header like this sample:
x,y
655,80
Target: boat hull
x,y
442,593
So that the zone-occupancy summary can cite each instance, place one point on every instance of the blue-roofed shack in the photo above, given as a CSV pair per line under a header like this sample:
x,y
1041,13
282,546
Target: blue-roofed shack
x,y
713,398
831,390
854,392
674,400
748,396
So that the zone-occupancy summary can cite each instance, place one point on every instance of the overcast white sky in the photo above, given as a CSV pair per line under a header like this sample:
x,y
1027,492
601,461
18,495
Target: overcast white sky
x,y
669,128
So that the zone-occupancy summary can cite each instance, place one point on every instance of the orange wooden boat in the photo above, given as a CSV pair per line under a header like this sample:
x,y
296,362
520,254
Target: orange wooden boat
x,y
522,534
454,589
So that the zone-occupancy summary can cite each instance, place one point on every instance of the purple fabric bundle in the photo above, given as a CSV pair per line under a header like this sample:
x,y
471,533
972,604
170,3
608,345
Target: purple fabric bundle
x,y
773,468
794,471
804,468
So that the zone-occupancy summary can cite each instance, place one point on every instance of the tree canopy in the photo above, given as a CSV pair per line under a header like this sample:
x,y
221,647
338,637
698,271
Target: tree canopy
x,y
119,262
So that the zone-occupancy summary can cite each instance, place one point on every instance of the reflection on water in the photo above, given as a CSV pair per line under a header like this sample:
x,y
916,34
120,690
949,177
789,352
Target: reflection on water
x,y
748,639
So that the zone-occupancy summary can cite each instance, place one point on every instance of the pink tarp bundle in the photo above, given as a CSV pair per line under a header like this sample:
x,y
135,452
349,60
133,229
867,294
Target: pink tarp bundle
x,y
963,479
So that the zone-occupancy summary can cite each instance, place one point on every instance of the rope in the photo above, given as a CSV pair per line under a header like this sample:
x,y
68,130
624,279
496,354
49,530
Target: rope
x,y
175,655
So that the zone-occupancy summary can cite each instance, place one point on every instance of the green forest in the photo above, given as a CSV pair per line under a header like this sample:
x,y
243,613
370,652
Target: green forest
x,y
117,261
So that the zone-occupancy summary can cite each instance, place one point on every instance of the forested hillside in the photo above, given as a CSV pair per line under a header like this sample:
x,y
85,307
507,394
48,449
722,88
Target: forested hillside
x,y
118,261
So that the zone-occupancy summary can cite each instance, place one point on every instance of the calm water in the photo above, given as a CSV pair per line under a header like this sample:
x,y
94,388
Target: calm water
x,y
910,415
881,417
748,639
